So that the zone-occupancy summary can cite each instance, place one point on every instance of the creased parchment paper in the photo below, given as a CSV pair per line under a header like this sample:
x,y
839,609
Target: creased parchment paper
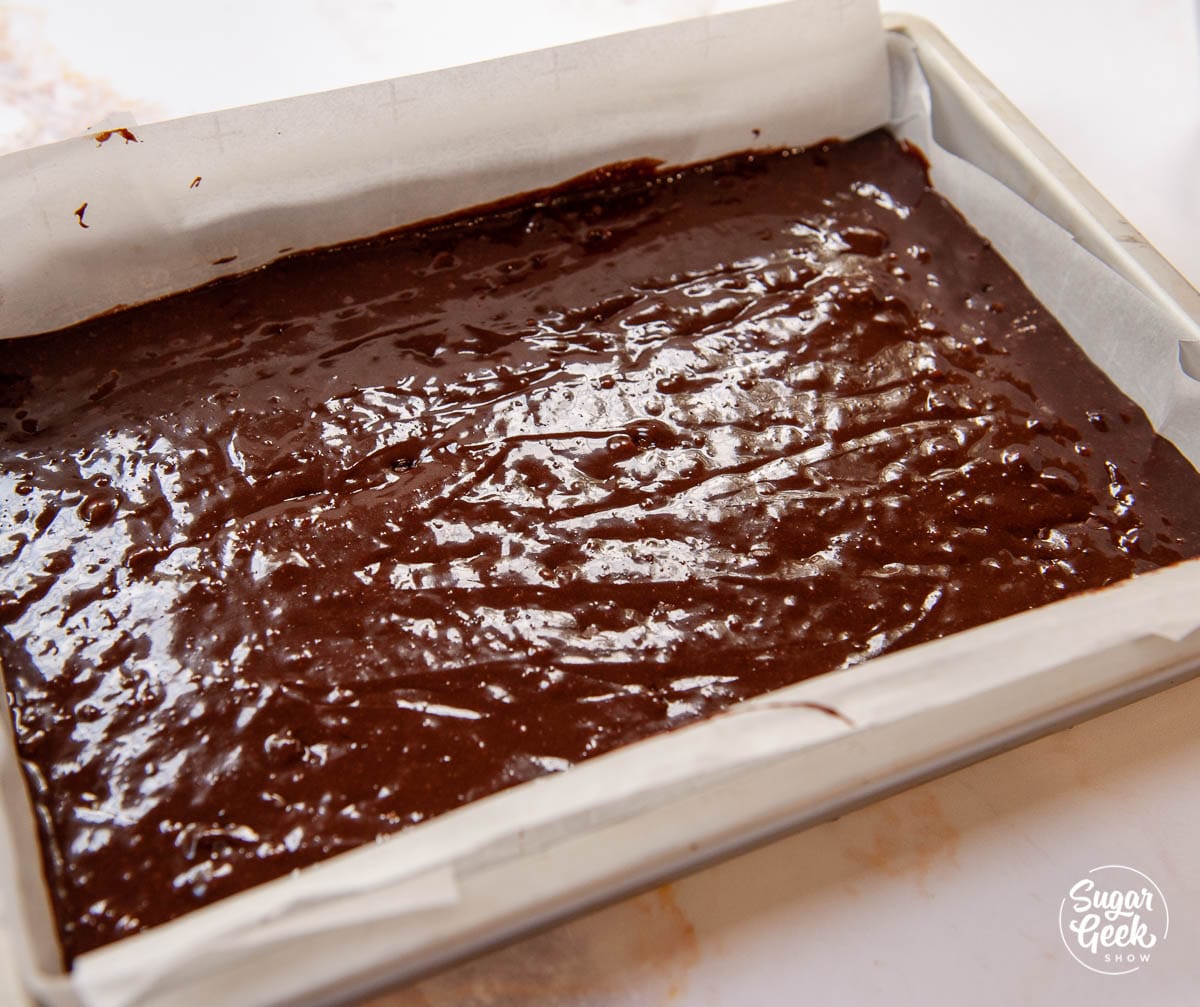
x,y
332,167
346,164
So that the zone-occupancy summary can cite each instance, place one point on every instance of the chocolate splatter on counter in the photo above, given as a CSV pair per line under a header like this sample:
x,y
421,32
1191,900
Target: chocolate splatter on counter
x,y
646,944
308,556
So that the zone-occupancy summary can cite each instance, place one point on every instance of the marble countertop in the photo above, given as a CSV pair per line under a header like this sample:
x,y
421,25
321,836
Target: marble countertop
x,y
949,892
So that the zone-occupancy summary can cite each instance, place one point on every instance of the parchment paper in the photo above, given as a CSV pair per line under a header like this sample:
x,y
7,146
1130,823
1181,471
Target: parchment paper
x,y
320,169
1135,343
416,147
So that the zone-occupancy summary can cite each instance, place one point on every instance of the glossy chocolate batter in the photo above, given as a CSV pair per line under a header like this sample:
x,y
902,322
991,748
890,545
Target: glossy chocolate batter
x,y
302,558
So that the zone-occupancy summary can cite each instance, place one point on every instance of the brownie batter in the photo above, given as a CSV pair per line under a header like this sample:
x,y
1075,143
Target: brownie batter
x,y
299,559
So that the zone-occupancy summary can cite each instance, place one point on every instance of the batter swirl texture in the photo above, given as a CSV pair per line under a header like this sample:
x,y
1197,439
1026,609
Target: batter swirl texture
x,y
305,557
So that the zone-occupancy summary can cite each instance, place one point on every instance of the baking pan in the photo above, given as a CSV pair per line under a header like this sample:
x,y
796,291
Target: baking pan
x,y
529,857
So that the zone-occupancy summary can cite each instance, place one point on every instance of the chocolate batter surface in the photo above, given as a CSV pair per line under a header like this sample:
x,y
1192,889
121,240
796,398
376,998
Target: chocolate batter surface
x,y
300,559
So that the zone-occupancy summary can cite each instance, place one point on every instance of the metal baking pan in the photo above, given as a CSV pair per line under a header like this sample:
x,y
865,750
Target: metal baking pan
x,y
535,882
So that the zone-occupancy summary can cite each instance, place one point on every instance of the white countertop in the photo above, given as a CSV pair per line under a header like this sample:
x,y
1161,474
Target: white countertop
x,y
948,893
